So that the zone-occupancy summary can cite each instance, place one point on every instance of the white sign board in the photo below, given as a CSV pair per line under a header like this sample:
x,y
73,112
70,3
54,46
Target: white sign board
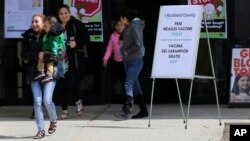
x,y
18,14
177,41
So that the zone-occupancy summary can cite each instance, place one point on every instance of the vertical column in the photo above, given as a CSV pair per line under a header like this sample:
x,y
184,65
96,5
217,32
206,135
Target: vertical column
x,y
19,73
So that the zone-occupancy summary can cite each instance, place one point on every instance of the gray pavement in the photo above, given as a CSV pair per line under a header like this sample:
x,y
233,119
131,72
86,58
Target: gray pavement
x,y
98,123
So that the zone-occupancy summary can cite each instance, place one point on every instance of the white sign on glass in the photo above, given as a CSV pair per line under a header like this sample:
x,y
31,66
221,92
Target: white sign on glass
x,y
18,14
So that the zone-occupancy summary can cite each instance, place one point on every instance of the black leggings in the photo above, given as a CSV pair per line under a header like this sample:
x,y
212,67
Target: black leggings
x,y
71,85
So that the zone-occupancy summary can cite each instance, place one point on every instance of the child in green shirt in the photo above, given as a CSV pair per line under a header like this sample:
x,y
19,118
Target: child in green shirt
x,y
53,42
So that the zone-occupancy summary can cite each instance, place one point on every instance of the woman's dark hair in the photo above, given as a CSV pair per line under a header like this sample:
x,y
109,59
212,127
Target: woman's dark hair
x,y
115,22
129,13
64,6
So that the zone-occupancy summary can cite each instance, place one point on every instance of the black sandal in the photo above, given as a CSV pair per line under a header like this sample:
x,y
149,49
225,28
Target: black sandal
x,y
52,127
40,134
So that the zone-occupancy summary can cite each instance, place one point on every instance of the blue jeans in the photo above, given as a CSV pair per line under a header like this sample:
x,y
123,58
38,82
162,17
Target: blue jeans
x,y
43,93
132,70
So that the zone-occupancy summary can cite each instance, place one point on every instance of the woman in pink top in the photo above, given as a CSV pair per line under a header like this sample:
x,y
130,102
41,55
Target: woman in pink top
x,y
114,45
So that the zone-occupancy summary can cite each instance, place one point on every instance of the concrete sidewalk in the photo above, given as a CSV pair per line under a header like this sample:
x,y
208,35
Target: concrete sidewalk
x,y
99,124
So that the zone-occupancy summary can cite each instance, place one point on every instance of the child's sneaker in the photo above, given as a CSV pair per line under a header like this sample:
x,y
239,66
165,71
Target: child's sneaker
x,y
40,76
47,79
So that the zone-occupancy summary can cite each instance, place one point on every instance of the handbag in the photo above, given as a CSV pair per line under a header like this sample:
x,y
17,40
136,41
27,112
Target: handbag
x,y
81,57
80,61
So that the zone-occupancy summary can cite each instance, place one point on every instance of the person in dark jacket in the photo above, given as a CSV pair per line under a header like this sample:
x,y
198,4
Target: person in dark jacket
x,y
33,44
77,38
53,43
132,54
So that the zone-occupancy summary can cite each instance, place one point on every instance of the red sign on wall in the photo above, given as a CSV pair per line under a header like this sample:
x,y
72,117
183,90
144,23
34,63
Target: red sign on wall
x,y
240,76
87,7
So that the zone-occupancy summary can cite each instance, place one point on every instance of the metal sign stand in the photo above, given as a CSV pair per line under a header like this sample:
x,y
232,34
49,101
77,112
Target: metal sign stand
x,y
152,97
206,77
185,120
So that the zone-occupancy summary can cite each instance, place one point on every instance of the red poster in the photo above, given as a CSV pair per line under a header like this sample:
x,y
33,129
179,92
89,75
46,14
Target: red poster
x,y
240,76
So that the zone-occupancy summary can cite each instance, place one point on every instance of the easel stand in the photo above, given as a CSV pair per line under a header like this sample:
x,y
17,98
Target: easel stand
x,y
152,97
185,119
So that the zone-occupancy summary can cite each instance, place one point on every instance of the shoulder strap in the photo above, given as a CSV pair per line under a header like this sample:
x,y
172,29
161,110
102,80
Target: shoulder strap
x,y
74,28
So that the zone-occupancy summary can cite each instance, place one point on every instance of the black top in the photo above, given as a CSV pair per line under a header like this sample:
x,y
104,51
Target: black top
x,y
75,28
30,49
